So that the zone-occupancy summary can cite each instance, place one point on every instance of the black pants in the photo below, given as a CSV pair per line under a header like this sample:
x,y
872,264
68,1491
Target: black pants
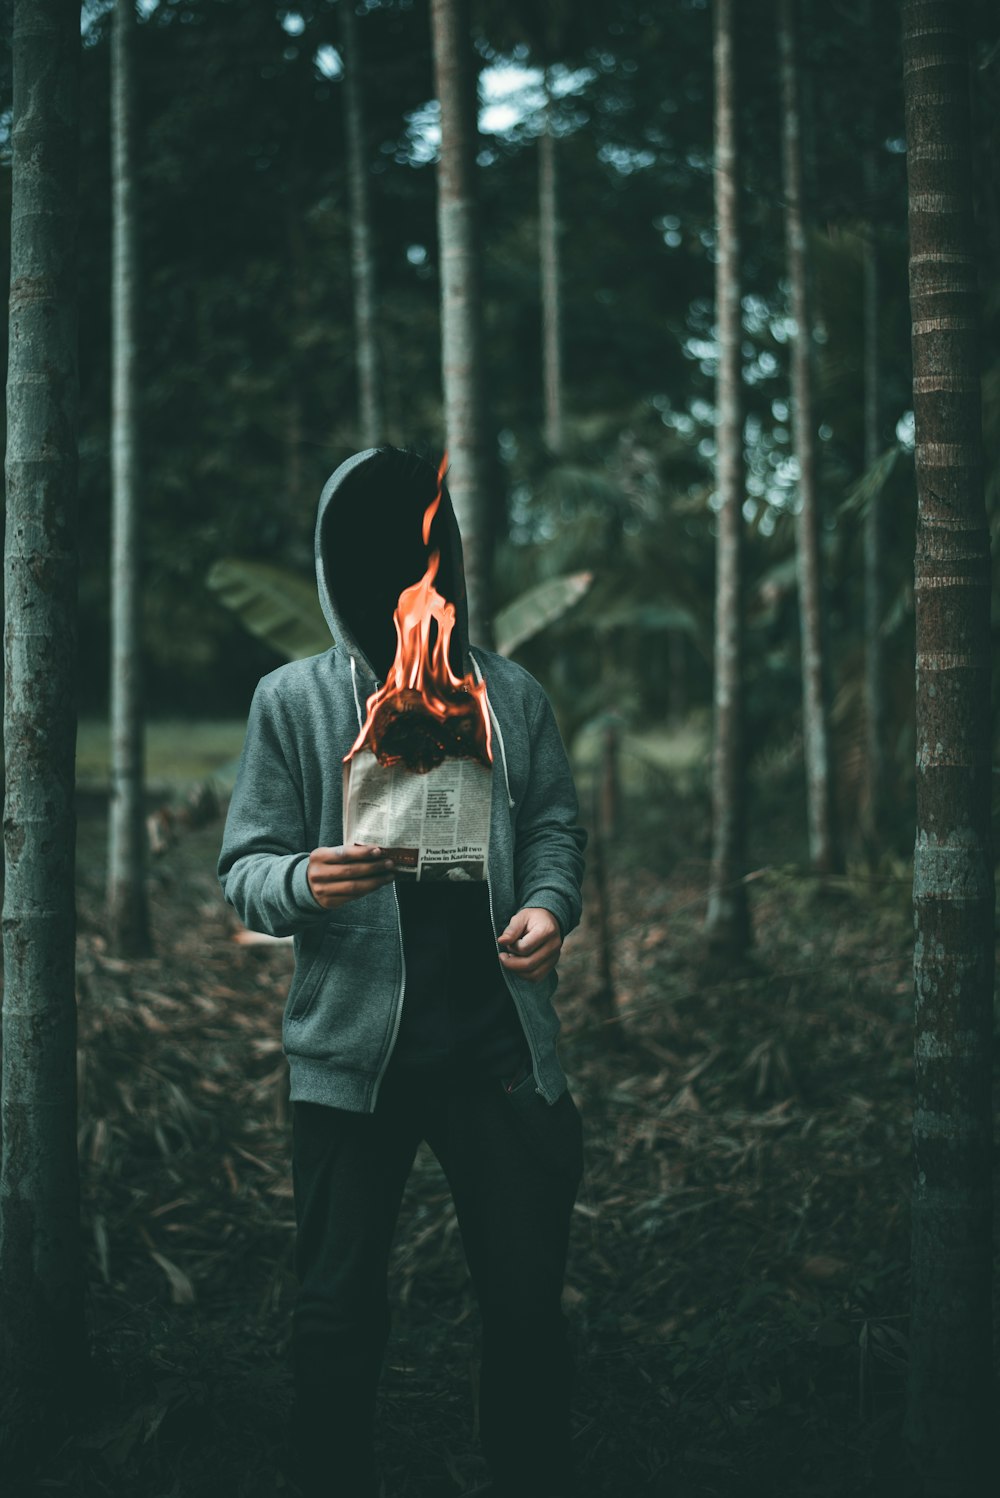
x,y
514,1164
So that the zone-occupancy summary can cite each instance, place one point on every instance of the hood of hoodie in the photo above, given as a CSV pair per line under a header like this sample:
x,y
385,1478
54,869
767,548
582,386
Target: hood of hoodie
x,y
368,547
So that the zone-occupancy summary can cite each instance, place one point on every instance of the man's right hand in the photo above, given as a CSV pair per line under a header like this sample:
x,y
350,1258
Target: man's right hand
x,y
337,875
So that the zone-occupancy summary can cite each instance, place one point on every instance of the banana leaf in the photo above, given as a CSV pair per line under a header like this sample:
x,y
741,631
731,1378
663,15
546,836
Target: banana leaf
x,y
279,607
539,606
282,609
646,615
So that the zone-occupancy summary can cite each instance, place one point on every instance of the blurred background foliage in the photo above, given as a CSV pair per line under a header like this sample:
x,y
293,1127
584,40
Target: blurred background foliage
x,y
247,382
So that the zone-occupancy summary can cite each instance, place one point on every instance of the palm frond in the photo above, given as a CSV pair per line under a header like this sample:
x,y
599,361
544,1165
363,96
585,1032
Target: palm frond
x,y
279,607
533,610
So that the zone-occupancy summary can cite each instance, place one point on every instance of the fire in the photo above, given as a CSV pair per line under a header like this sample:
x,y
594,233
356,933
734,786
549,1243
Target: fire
x,y
423,712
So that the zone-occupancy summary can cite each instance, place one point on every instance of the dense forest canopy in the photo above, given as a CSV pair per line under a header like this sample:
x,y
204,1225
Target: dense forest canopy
x,y
247,386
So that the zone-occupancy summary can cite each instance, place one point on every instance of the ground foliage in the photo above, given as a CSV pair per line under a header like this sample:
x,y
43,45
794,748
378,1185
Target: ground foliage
x,y
737,1283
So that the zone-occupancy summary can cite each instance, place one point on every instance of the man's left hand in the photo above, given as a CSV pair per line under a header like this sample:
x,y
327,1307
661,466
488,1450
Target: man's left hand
x,y
531,944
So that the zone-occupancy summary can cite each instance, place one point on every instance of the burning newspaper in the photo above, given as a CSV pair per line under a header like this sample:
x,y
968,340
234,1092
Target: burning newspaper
x,y
418,778
434,825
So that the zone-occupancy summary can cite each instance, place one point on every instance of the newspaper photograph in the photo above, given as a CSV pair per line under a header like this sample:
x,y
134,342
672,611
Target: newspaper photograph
x,y
435,825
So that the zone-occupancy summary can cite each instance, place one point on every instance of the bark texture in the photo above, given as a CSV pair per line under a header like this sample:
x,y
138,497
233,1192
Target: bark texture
x,y
42,1270
727,918
873,537
461,313
370,394
950,1405
128,906
299,322
550,276
823,851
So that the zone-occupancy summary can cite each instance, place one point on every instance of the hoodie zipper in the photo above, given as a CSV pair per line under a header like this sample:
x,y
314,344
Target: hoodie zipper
x,y
399,929
526,1029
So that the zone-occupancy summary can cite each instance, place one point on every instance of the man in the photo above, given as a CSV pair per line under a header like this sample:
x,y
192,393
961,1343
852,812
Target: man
x,y
418,1010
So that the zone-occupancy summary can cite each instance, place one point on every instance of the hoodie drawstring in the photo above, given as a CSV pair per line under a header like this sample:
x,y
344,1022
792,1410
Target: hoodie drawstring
x,y
357,699
496,730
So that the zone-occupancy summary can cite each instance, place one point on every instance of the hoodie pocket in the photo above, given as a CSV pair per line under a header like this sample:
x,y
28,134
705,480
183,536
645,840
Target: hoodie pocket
x,y
309,975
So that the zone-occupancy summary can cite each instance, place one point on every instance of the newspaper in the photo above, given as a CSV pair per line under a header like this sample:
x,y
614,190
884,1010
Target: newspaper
x,y
434,825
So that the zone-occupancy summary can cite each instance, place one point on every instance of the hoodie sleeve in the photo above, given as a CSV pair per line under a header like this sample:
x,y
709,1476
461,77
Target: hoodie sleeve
x,y
265,851
548,851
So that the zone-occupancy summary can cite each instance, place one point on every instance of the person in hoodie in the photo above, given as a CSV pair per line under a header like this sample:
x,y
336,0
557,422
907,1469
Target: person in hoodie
x,y
417,1010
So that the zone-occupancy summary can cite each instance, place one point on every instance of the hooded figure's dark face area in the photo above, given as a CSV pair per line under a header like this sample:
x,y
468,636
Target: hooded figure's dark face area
x,y
372,548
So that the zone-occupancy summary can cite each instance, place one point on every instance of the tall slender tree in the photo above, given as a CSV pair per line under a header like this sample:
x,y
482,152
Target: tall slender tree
x,y
550,265
370,393
727,918
297,304
128,907
554,32
42,1277
950,1416
873,537
456,82
823,850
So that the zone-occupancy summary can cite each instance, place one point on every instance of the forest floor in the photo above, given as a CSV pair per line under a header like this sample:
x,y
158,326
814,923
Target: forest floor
x,y
738,1273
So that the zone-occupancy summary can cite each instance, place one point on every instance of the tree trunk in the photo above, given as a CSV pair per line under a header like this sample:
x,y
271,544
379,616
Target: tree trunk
x,y
550,276
823,853
874,562
128,911
298,322
461,315
950,1412
42,1271
370,394
727,918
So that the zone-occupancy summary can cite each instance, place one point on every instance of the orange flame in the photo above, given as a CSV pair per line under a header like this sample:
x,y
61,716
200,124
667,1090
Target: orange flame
x,y
424,621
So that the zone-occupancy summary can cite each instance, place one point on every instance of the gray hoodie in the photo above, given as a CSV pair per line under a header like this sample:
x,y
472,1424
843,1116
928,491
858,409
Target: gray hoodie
x,y
344,1004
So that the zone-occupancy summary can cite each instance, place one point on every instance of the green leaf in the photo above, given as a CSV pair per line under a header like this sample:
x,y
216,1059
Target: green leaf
x,y
282,608
181,1288
869,486
279,607
536,608
645,615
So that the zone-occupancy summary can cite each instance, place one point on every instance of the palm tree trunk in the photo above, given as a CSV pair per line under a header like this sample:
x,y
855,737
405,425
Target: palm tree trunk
x,y
370,394
823,853
128,912
873,539
297,322
727,916
950,1410
42,1274
549,264
461,315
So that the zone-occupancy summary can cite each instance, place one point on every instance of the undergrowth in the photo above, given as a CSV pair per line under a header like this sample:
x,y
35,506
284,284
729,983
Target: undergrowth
x,y
737,1281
